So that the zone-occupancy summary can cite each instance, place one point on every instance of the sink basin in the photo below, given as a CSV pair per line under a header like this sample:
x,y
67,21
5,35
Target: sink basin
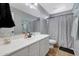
x,y
5,40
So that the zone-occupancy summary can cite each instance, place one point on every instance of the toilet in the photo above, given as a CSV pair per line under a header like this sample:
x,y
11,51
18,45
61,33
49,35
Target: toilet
x,y
52,43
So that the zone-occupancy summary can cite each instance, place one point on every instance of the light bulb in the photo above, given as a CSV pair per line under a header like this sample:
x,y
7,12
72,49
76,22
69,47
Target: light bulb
x,y
35,4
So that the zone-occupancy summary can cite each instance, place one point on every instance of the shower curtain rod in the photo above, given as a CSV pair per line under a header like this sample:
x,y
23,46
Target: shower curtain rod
x,y
61,13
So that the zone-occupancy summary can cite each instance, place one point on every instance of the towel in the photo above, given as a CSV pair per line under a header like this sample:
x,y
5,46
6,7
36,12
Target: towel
x,y
6,20
74,32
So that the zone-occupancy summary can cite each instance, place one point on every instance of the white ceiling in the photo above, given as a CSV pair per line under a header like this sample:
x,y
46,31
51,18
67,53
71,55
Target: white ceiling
x,y
49,8
52,8
23,7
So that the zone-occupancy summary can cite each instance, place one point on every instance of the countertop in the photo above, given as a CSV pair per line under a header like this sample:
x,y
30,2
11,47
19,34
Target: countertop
x,y
19,42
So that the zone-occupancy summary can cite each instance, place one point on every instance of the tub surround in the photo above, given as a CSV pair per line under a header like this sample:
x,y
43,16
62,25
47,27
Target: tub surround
x,y
20,46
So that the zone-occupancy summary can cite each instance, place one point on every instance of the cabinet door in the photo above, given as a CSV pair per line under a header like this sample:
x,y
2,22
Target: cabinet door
x,y
34,49
22,52
44,47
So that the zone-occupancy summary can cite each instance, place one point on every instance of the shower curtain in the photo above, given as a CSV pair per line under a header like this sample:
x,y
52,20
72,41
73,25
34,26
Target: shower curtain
x,y
60,30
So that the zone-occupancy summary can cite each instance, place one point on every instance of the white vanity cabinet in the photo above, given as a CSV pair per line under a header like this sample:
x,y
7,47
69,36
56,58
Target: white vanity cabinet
x,y
34,46
39,48
21,52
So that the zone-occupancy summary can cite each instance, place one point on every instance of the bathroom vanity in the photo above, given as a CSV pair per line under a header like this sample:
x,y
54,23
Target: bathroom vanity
x,y
37,45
